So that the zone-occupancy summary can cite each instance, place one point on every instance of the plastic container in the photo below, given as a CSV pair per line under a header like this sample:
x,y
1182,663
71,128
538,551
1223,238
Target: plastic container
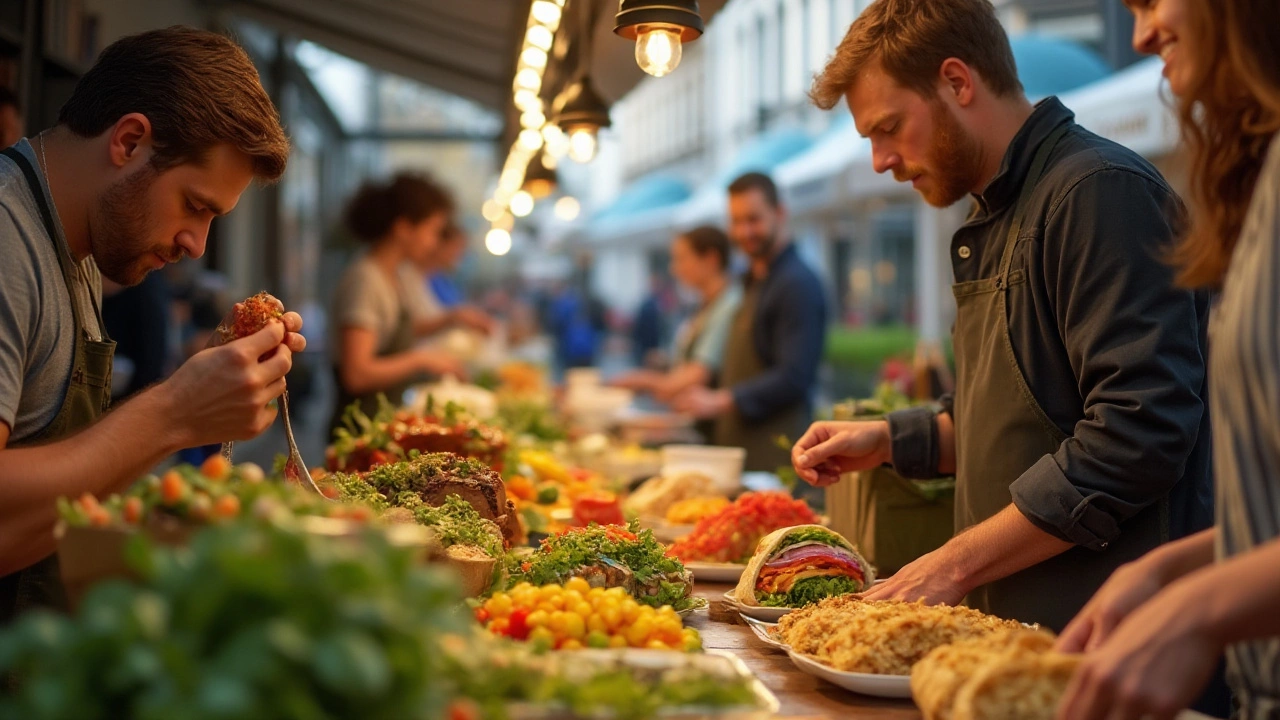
x,y
722,464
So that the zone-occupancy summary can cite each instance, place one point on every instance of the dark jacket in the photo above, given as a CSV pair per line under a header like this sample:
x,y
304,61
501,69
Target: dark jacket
x,y
1113,352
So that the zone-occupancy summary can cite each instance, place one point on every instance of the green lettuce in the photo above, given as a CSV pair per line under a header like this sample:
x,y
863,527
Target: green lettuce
x,y
811,590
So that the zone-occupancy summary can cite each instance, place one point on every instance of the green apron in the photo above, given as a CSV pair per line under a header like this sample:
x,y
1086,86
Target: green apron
x,y
1001,431
742,363
401,340
88,397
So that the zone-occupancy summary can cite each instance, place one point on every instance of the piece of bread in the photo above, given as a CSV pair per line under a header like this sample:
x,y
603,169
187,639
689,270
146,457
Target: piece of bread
x,y
939,677
1017,687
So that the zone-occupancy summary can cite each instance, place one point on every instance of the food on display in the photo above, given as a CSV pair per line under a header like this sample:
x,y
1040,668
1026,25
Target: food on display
x,y
731,535
577,615
609,556
249,620
656,496
798,566
880,637
430,480
689,512
961,668
392,435
547,492
215,492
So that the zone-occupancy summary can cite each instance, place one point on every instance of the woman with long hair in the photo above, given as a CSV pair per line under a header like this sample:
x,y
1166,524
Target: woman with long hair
x,y
1153,634
373,318
700,262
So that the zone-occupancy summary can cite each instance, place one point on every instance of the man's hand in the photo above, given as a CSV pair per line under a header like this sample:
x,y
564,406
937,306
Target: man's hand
x,y
703,403
292,326
223,393
931,578
474,318
1124,592
1156,663
830,449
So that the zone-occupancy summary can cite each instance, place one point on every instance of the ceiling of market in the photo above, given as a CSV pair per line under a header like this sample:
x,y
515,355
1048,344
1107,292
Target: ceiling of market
x,y
465,47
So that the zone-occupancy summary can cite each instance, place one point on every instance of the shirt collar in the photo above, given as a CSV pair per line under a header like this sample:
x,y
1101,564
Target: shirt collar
x,y
1003,189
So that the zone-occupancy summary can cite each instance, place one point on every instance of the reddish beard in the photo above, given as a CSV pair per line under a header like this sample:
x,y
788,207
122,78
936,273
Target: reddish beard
x,y
121,229
953,161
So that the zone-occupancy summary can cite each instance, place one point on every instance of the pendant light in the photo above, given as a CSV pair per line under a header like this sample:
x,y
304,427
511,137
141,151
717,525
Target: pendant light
x,y
581,112
539,180
659,28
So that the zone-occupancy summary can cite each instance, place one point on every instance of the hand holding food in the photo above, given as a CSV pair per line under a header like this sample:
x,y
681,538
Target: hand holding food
x,y
224,393
798,566
829,449
252,314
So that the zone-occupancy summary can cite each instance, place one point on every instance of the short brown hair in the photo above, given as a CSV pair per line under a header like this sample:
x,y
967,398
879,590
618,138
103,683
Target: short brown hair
x,y
707,240
757,181
199,90
377,206
911,39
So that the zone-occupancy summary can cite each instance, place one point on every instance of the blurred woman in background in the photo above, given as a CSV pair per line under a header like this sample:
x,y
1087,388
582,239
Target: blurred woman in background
x,y
373,330
700,262
1155,631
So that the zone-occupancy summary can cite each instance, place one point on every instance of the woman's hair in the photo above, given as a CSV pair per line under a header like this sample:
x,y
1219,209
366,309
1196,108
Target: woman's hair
x,y
376,206
1228,118
707,240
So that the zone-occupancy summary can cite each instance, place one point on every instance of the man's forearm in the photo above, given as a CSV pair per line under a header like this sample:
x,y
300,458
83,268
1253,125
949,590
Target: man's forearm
x,y
102,459
1238,597
1182,557
999,547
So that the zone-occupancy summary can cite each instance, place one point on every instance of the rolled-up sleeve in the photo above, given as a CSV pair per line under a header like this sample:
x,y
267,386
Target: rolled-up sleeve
x,y
1134,342
913,437
799,332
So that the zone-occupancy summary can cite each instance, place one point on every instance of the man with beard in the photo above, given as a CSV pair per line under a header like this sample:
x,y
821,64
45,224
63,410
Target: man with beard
x,y
776,340
163,134
1078,432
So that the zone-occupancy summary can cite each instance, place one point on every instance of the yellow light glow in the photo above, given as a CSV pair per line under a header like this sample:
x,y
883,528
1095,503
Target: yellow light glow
x,y
529,79
521,204
547,13
498,241
540,37
567,208
582,145
532,120
527,100
534,57
658,49
531,140
506,222
555,141
491,210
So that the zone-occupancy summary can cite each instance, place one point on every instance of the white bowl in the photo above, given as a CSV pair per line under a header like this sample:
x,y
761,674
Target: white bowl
x,y
722,464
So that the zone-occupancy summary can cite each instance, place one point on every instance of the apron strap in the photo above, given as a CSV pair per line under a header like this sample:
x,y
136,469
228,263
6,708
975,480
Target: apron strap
x,y
1020,210
51,228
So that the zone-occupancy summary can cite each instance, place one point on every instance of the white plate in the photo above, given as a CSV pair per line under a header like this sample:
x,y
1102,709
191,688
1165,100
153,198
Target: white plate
x,y
762,629
885,686
767,614
709,572
691,610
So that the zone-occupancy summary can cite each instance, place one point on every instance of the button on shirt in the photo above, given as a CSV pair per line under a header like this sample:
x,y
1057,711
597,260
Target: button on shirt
x,y
1113,352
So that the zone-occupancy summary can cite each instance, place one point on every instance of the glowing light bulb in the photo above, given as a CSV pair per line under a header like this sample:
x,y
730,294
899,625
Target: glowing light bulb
x,y
527,100
534,57
547,13
567,208
555,141
521,204
491,210
529,79
498,241
582,145
658,49
531,140
540,37
532,120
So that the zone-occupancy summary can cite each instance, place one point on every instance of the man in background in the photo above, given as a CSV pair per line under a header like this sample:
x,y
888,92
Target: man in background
x,y
776,340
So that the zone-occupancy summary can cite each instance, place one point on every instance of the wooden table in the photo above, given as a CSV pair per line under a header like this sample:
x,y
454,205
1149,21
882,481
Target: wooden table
x,y
801,695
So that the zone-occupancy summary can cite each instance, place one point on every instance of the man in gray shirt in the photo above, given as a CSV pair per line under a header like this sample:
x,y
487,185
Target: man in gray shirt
x,y
163,134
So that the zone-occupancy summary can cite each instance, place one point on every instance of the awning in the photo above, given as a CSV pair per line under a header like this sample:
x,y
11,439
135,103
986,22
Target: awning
x,y
642,209
1128,108
1049,66
765,154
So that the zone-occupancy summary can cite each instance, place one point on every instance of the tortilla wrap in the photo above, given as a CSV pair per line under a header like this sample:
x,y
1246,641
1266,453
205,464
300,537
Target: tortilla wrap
x,y
770,546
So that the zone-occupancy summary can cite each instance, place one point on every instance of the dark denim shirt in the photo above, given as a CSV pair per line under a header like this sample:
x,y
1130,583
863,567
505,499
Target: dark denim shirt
x,y
1113,352
789,334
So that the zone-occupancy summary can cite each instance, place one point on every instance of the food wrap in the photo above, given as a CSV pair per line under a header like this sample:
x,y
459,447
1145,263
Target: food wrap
x,y
776,543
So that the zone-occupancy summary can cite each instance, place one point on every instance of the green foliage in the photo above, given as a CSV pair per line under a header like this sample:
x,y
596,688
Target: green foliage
x,y
866,348
811,590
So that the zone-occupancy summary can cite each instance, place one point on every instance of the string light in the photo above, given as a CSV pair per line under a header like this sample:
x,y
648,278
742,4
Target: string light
x,y
567,208
498,241
521,204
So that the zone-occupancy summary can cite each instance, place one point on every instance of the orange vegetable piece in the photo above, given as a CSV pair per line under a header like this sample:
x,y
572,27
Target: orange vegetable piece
x,y
521,487
215,467
172,488
227,506
133,510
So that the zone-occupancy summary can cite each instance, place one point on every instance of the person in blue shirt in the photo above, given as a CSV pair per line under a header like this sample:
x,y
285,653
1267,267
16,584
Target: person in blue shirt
x,y
448,256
